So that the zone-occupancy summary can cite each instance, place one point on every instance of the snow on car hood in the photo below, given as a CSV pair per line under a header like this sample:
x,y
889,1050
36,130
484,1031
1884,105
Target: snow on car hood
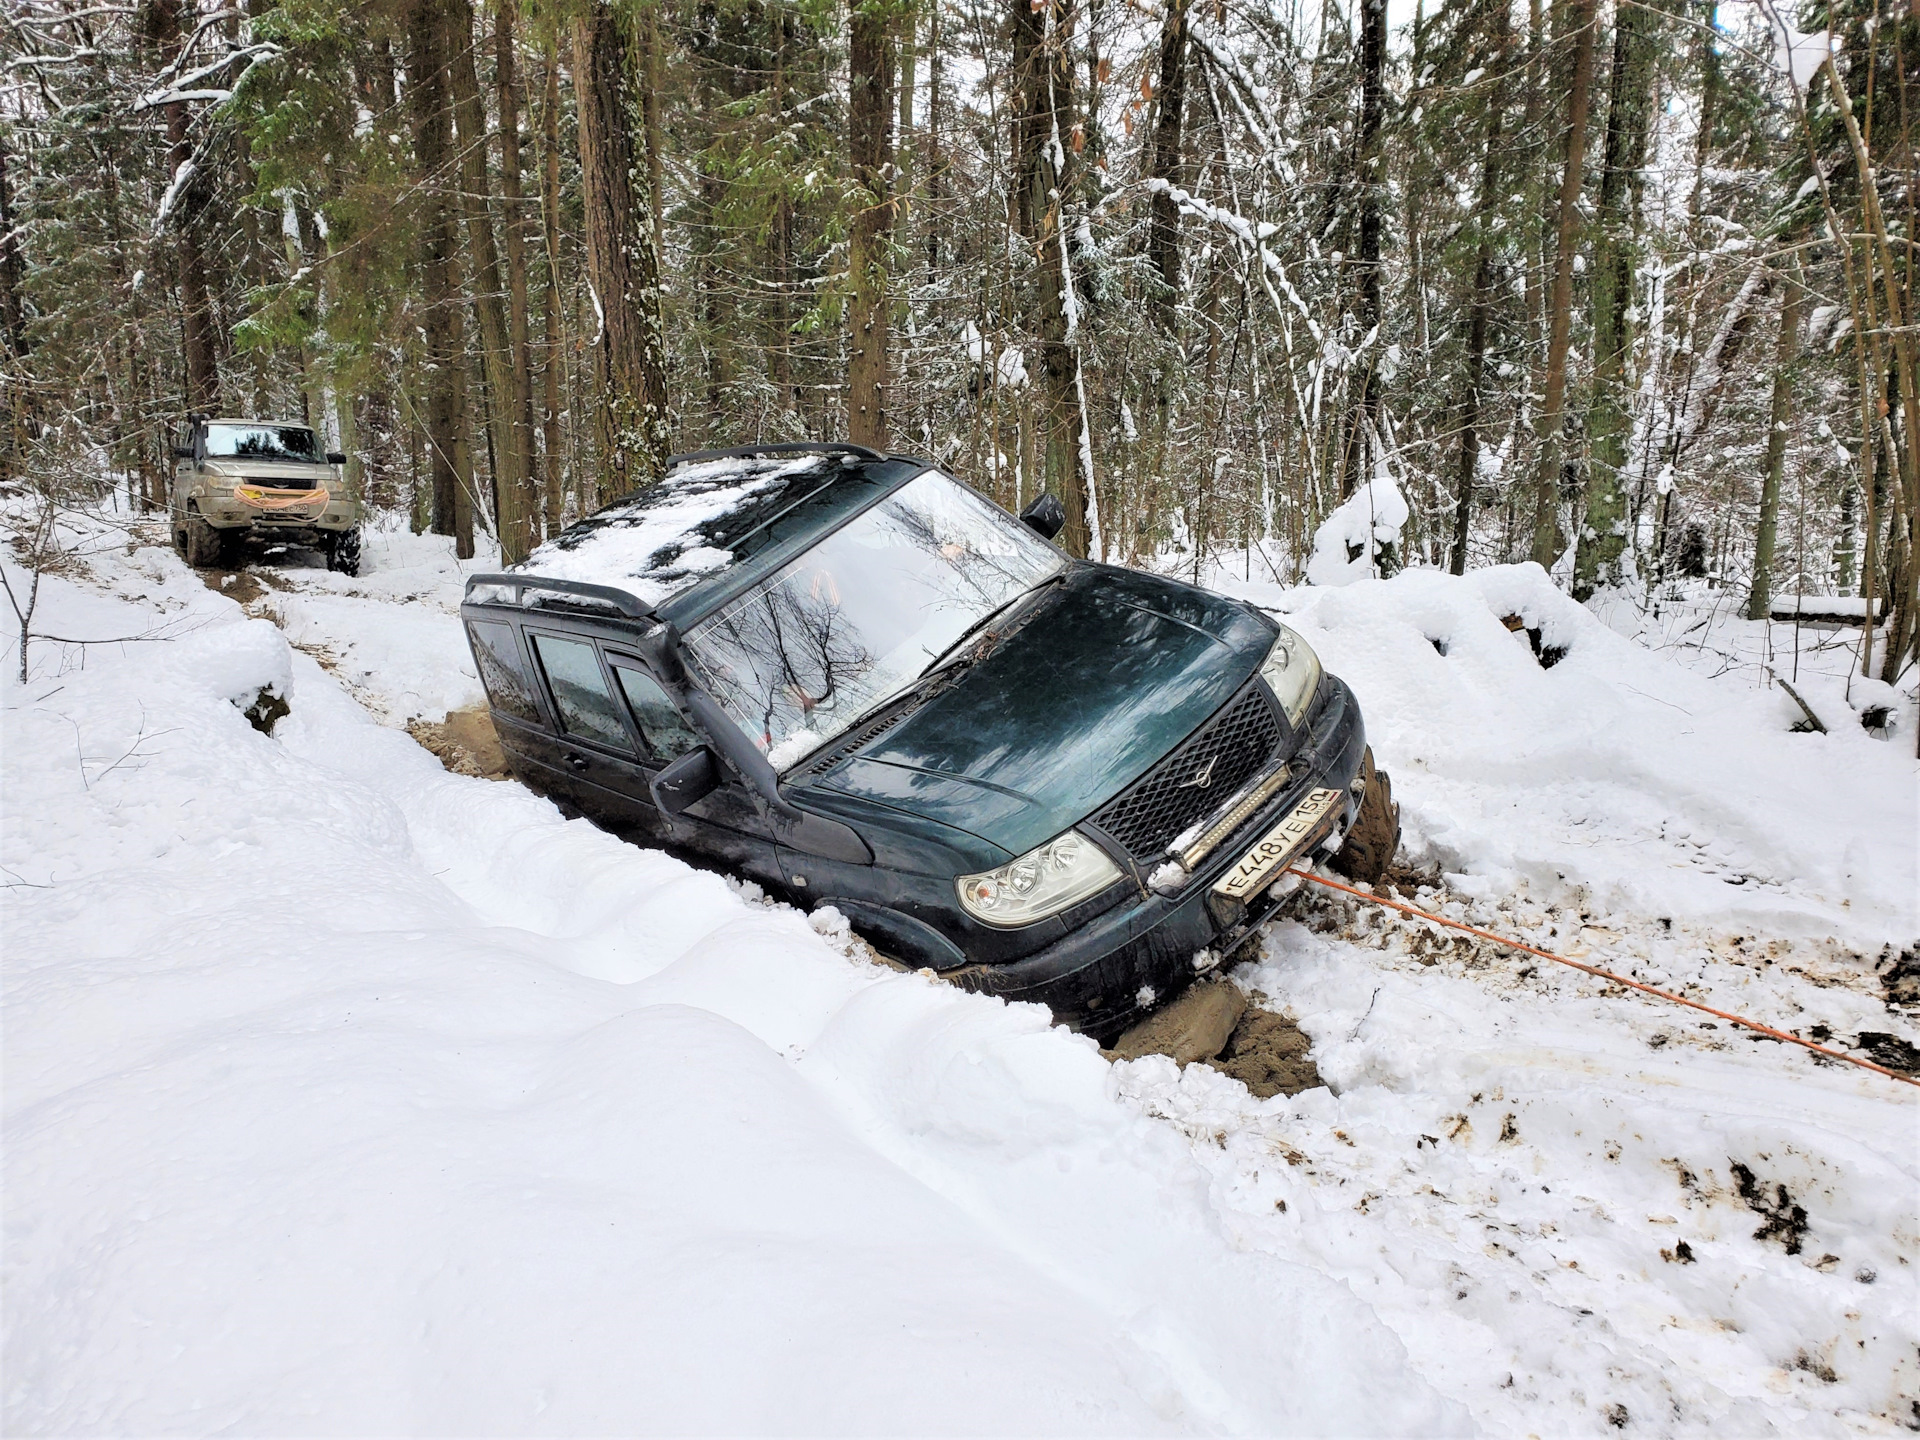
x,y
248,469
664,539
1110,675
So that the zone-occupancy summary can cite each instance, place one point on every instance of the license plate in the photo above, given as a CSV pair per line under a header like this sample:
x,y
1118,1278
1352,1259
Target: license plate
x,y
1277,847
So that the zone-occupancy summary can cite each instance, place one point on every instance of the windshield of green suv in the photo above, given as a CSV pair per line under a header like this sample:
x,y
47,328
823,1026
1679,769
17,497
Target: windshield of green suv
x,y
262,442
816,645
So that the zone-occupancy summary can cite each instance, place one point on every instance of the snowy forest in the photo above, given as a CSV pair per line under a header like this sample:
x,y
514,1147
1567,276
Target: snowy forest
x,y
1620,286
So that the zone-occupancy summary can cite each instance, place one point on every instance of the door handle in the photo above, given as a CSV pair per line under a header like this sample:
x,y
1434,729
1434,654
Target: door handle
x,y
577,762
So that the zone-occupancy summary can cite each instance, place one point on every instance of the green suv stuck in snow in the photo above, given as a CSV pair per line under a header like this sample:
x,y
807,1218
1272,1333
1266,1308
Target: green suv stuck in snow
x,y
853,679
260,479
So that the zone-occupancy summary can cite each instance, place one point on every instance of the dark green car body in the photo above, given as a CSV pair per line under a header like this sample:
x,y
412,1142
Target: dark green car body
x,y
1092,701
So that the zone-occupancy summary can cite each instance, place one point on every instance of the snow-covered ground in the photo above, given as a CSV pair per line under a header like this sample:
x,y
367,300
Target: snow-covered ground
x,y
345,1095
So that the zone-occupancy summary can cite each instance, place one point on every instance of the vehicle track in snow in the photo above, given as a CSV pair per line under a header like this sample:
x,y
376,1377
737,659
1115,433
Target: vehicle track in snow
x,y
1581,1210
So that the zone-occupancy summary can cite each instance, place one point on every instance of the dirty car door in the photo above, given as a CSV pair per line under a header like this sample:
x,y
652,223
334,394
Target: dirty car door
x,y
586,756
726,824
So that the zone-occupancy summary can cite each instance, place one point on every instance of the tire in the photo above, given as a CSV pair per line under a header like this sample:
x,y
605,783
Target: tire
x,y
343,554
1375,836
203,543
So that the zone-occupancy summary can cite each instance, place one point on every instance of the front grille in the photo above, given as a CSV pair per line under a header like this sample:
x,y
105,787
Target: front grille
x,y
1230,749
279,482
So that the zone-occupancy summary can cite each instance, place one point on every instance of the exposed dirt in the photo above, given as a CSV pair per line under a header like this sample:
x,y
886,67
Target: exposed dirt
x,y
1785,1219
464,742
1889,1050
269,707
1268,1054
1194,1027
1900,975
242,586
1213,1024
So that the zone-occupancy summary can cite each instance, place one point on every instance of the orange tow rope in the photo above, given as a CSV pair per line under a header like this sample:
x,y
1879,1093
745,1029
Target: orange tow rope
x,y
1753,1025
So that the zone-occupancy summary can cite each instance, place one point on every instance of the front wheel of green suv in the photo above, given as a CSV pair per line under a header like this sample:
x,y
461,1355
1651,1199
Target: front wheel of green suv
x,y
1375,835
343,554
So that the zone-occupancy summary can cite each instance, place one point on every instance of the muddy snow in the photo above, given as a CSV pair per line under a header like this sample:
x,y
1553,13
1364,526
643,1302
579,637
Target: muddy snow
x,y
345,1094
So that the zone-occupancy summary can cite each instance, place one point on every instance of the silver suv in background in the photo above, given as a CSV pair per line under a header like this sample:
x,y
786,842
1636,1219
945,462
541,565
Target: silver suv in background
x,y
261,479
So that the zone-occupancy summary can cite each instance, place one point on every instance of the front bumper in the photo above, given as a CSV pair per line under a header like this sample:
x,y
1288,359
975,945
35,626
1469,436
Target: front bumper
x,y
1136,955
236,519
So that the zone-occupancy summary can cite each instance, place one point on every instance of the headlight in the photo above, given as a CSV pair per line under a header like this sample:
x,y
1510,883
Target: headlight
x,y
1042,882
1292,672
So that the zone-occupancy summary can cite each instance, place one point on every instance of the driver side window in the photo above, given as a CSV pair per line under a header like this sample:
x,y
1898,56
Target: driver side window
x,y
579,691
667,734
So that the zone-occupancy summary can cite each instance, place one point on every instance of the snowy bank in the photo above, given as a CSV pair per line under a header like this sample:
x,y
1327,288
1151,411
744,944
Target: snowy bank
x,y
344,1095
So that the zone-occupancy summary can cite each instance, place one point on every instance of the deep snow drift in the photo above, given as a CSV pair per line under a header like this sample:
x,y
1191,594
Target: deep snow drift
x,y
346,1095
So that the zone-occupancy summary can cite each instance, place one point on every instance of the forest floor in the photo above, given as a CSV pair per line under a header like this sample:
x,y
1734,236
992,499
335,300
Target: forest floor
x,y
347,1094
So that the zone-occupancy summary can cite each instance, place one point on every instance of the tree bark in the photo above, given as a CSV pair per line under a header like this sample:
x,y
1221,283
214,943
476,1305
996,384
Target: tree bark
x,y
13,330
621,261
1164,160
514,234
870,233
1760,601
442,329
1042,103
199,339
553,358
1365,425
511,444
1603,534
1483,298
1580,23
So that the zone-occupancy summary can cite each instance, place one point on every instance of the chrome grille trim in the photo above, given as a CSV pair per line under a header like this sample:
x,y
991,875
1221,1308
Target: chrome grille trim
x,y
1234,745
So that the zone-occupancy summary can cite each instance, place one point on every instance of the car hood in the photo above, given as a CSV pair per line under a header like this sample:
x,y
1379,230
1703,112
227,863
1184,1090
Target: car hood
x,y
1113,670
243,469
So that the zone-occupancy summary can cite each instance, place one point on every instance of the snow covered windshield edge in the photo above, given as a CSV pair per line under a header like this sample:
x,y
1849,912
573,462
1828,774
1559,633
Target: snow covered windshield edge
x,y
820,642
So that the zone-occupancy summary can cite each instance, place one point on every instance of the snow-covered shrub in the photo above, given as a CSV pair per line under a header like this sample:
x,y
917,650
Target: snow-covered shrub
x,y
1353,542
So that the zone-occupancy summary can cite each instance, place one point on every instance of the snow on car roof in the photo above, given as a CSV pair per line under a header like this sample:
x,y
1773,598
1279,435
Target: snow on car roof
x,y
661,541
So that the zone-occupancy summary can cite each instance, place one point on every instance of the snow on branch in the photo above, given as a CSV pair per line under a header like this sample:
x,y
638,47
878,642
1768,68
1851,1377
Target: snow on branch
x,y
1705,396
171,195
182,89
1252,234
1799,54
70,57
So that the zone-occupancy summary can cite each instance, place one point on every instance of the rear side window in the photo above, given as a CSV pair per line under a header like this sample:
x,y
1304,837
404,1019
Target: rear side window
x,y
498,658
580,690
668,736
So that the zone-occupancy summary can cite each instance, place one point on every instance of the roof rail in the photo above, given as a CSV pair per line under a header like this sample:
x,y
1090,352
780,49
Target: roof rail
x,y
779,447
624,601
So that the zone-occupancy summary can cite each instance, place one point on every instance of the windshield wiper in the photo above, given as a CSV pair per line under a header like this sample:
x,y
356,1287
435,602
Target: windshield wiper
x,y
992,615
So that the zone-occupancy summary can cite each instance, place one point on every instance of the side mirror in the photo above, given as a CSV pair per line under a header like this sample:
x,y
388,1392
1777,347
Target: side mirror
x,y
336,457
687,781
183,452
1046,517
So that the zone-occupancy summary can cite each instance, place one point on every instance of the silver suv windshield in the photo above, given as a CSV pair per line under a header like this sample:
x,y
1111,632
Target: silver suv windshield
x,y
864,612
262,442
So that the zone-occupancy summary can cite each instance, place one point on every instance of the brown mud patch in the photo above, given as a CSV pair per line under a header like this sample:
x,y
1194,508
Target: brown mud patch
x,y
1196,1026
1212,1024
241,586
464,742
1268,1054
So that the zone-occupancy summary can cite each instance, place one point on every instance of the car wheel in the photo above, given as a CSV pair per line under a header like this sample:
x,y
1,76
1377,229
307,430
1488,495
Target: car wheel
x,y
1375,835
344,553
203,543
